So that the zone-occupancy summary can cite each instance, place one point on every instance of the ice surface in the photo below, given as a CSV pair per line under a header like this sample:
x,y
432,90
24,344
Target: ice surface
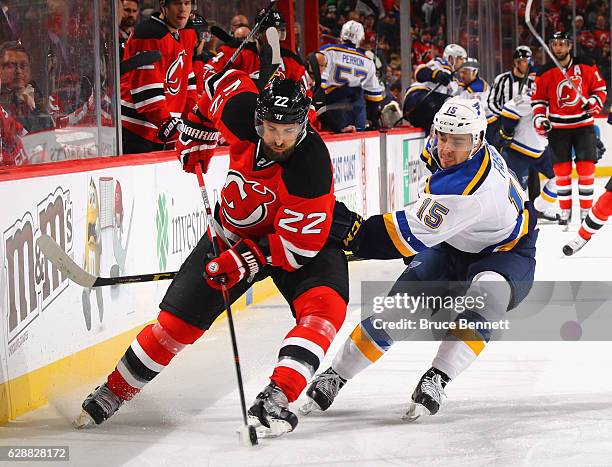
x,y
524,403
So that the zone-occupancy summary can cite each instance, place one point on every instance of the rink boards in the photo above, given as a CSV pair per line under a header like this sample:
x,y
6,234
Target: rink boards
x,y
131,215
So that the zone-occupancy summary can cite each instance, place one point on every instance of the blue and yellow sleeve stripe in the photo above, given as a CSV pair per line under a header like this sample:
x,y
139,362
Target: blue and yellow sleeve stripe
x,y
371,342
400,234
520,230
506,112
373,96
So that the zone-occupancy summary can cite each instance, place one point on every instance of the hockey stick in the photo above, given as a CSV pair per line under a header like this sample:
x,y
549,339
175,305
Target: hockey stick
x,y
66,265
248,434
224,36
338,106
550,54
58,257
138,60
250,37
270,58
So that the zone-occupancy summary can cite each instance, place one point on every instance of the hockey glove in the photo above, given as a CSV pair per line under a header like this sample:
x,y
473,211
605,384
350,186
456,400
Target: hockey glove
x,y
542,125
504,140
443,78
244,259
592,106
168,129
345,226
196,145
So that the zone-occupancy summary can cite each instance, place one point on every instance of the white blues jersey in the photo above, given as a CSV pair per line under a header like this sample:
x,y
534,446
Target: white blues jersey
x,y
476,206
477,89
348,66
516,116
426,73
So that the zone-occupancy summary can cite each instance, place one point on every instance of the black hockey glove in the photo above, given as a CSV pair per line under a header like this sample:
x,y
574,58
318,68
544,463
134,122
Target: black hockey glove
x,y
443,78
504,139
168,129
345,226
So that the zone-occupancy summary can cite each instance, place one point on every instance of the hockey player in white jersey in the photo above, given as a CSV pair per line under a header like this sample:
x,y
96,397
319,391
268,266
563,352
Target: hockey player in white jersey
x,y
471,224
435,82
350,78
472,85
522,147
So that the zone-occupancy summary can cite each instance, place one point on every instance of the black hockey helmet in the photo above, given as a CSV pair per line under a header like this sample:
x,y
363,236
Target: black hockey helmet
x,y
522,51
560,35
273,20
282,101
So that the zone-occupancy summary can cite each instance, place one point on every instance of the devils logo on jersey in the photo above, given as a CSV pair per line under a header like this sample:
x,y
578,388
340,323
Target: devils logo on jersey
x,y
566,94
173,75
245,202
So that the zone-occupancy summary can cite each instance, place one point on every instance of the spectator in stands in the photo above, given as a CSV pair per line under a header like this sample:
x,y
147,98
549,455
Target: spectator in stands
x,y
238,21
129,19
20,96
330,21
12,152
201,54
9,23
242,32
154,98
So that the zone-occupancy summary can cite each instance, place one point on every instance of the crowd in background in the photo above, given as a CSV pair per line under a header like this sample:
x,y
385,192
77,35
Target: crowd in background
x,y
46,84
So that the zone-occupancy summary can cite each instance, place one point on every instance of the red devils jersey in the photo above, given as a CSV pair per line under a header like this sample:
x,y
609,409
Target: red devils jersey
x,y
12,152
248,61
153,93
286,207
553,94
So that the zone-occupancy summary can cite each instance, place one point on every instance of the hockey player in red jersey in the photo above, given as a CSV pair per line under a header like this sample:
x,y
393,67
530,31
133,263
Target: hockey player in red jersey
x,y
248,61
559,111
155,97
276,212
595,220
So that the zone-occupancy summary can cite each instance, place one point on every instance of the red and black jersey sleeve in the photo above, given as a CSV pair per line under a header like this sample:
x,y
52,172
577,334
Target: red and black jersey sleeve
x,y
228,102
247,60
307,199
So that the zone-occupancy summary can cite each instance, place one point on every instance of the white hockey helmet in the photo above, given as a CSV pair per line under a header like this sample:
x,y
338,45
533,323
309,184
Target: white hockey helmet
x,y
461,116
353,32
452,52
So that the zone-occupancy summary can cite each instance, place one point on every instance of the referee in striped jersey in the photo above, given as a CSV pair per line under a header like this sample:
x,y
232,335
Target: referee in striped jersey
x,y
508,85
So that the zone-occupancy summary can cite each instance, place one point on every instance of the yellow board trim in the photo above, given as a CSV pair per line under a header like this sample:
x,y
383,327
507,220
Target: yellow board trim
x,y
479,174
470,338
365,345
395,237
32,390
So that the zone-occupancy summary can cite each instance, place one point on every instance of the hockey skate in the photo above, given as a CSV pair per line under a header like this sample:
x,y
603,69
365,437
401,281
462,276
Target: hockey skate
x,y
584,213
99,406
574,246
427,396
270,414
550,214
322,391
566,217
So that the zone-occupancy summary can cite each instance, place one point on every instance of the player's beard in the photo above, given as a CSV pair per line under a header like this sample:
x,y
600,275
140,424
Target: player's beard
x,y
277,156
563,57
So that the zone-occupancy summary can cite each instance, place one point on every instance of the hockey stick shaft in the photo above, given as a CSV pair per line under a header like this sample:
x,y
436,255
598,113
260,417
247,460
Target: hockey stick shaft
x,y
66,265
138,60
248,38
227,303
550,54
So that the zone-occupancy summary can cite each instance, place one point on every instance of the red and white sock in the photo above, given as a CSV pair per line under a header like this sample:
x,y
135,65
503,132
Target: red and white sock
x,y
597,217
586,183
150,353
563,177
319,313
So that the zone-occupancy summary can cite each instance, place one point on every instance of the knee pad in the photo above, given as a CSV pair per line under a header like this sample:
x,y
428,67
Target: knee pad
x,y
173,333
320,309
494,291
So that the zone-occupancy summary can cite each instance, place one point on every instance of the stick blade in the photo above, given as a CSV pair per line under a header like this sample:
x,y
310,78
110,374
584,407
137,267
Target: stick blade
x,y
58,257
